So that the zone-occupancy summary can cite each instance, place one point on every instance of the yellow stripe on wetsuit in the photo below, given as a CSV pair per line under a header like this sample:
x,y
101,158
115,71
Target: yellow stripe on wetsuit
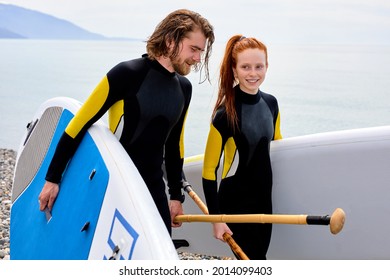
x,y
89,109
115,114
181,143
277,133
213,153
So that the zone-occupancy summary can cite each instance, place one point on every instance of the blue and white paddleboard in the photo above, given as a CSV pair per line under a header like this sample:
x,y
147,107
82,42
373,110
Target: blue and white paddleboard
x,y
103,210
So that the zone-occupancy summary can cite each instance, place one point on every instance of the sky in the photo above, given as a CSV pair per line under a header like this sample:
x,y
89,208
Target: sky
x,y
273,21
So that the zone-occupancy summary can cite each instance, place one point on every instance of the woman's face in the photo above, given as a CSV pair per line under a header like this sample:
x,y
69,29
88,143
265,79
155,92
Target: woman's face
x,y
250,70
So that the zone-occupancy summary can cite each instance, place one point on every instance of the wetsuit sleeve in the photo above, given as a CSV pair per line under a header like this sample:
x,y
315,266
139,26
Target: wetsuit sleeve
x,y
212,156
174,148
93,109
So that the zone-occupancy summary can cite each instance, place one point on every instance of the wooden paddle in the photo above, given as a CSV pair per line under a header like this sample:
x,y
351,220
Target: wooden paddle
x,y
336,221
227,237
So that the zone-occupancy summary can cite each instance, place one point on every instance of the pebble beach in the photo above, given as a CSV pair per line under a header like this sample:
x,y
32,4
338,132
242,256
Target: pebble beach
x,y
7,164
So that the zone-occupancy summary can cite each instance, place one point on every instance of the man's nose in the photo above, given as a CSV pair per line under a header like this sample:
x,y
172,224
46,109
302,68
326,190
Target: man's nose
x,y
197,56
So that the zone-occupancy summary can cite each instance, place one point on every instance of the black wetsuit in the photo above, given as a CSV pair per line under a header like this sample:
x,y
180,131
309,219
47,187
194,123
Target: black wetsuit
x,y
246,183
147,108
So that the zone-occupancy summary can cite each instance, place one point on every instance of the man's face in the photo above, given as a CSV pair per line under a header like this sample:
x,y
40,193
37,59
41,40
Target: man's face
x,y
190,52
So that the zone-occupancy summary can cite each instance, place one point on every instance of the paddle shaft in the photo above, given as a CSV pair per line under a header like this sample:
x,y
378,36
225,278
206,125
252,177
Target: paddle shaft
x,y
257,218
336,221
196,199
227,237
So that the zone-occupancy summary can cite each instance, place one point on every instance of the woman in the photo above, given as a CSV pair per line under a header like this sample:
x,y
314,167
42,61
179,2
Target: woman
x,y
244,122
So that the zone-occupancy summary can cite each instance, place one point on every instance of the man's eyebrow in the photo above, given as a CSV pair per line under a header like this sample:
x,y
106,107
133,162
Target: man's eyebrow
x,y
198,48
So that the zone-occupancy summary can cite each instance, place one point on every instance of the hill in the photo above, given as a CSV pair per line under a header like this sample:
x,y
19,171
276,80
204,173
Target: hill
x,y
18,22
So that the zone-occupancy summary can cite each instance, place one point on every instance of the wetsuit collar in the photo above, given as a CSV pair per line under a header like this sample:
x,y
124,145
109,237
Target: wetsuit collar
x,y
247,98
157,66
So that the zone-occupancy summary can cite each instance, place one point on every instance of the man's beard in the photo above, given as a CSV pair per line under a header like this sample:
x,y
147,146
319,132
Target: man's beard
x,y
182,68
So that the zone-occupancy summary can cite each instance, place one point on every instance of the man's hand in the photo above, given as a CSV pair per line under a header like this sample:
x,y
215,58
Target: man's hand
x,y
176,208
48,195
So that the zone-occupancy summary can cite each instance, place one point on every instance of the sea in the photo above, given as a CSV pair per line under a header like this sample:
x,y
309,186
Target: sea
x,y
320,87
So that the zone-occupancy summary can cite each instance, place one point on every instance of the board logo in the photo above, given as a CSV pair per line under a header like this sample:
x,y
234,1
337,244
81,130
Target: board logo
x,y
122,238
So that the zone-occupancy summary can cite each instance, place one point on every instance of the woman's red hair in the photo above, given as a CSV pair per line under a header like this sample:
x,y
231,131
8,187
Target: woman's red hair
x,y
227,81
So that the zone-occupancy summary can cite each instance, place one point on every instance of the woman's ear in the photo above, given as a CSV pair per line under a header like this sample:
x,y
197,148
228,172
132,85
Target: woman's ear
x,y
234,73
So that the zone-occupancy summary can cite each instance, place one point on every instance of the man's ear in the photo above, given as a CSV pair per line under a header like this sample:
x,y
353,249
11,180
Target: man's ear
x,y
170,44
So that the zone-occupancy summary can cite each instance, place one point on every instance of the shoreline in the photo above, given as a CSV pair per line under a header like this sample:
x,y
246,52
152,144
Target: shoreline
x,y
7,165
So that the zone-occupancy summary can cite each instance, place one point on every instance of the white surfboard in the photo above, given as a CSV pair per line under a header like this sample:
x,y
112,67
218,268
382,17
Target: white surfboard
x,y
314,175
104,209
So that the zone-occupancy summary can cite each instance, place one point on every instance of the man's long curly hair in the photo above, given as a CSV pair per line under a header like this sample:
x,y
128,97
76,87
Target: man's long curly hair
x,y
173,29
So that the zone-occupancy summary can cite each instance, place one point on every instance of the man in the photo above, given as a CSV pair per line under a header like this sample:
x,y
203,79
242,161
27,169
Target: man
x,y
147,99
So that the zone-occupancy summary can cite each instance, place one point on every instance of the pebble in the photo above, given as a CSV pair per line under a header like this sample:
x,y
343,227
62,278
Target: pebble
x,y
7,164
